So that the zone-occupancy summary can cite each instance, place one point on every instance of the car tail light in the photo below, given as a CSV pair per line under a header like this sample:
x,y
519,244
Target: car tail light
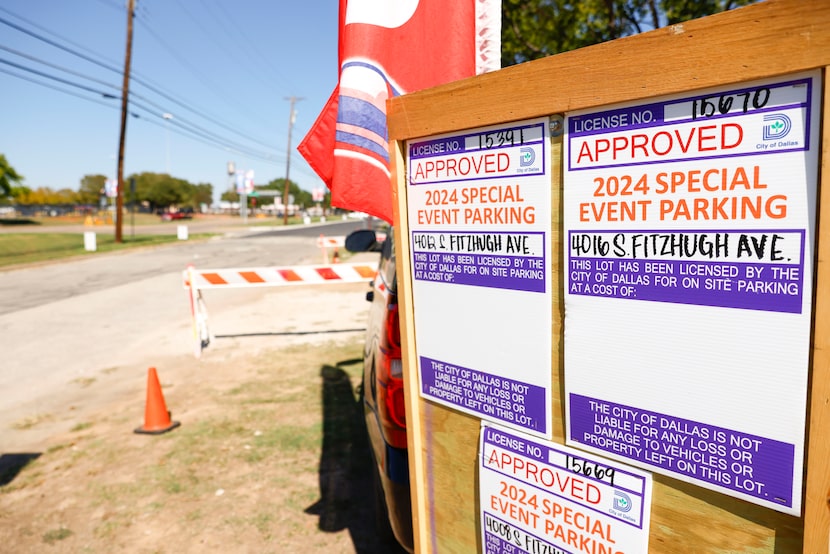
x,y
393,332
391,389
395,403
394,367
391,403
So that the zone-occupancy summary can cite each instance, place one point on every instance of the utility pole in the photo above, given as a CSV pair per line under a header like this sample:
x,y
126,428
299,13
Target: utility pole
x,y
125,91
291,118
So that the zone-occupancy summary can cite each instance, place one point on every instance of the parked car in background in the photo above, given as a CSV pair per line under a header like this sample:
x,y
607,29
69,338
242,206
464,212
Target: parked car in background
x,y
173,215
383,392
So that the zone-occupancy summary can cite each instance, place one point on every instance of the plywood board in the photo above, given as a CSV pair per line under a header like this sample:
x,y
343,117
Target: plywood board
x,y
768,39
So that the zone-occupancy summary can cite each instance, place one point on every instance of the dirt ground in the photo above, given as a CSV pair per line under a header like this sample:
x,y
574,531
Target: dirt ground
x,y
271,454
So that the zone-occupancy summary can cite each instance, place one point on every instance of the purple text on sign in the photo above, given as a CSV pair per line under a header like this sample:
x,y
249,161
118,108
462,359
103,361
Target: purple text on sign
x,y
749,464
495,398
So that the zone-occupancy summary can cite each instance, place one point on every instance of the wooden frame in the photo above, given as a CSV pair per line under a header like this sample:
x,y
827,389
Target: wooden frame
x,y
767,39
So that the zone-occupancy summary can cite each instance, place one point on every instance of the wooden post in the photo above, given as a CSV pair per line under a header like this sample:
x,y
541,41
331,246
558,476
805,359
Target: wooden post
x,y
125,102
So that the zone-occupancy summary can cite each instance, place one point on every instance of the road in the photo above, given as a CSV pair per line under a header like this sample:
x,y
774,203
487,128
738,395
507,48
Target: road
x,y
73,322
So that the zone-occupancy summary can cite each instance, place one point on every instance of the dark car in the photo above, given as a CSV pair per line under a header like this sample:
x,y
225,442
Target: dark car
x,y
382,390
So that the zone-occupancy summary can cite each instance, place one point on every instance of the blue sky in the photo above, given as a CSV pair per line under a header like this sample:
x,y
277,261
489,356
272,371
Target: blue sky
x,y
223,68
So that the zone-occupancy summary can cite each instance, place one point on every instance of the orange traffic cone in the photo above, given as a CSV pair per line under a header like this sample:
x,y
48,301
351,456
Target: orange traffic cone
x,y
156,416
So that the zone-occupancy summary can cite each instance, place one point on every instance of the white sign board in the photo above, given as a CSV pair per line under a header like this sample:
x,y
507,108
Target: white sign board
x,y
543,497
689,226
479,218
90,242
245,181
111,188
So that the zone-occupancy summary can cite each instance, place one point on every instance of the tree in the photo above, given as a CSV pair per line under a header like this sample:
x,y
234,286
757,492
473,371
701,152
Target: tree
x,y
533,29
202,194
677,11
326,203
230,196
161,190
43,196
66,196
21,194
7,176
302,198
92,186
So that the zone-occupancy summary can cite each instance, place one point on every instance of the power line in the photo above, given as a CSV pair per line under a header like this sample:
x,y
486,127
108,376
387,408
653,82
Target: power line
x,y
64,91
111,66
161,109
182,127
137,80
200,134
189,67
44,29
64,81
153,121
253,72
55,44
112,4
248,45
210,86
56,66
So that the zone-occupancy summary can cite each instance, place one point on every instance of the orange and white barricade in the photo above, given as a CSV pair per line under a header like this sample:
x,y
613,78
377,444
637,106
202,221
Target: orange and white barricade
x,y
196,280
324,243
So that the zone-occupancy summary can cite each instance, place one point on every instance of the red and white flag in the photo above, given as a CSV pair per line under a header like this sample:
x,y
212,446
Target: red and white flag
x,y
387,48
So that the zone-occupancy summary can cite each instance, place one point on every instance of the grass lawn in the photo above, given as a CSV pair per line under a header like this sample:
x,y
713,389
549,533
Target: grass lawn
x,y
25,248
100,218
